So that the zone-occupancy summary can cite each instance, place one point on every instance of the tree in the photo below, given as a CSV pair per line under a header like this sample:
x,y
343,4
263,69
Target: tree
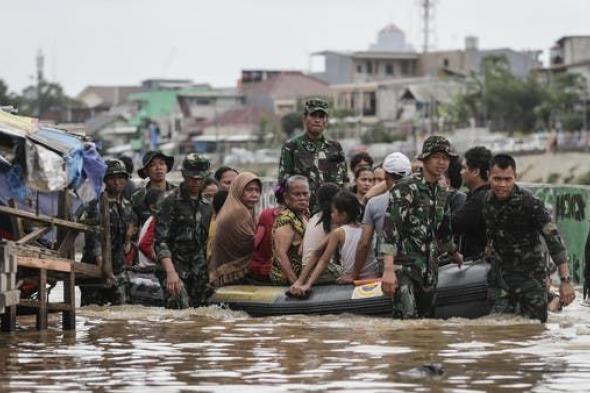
x,y
6,98
379,134
292,122
39,100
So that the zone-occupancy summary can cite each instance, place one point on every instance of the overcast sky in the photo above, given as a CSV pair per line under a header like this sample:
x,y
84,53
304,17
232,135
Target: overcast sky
x,y
124,41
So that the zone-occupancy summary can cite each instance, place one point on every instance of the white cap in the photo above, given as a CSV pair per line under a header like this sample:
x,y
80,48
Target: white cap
x,y
397,163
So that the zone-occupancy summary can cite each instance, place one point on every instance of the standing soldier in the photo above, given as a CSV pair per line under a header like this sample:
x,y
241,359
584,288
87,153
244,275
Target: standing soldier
x,y
418,218
312,155
182,223
123,223
155,167
515,220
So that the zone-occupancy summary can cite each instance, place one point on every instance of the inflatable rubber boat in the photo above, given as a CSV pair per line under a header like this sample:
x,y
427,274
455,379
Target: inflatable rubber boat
x,y
461,292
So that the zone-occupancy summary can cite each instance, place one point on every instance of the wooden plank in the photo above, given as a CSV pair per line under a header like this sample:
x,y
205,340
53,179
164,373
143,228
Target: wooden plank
x,y
66,245
64,235
17,223
87,269
60,265
68,316
42,311
105,222
9,319
36,234
47,220
51,307
9,298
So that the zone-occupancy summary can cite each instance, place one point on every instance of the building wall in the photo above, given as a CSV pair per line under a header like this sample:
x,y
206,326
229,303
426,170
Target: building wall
x,y
521,63
207,108
366,70
457,60
576,49
338,68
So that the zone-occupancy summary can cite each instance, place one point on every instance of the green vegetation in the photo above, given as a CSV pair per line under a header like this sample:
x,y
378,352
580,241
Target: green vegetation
x,y
39,100
507,103
553,178
379,134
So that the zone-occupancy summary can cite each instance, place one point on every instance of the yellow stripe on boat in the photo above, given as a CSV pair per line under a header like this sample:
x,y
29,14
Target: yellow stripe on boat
x,y
252,293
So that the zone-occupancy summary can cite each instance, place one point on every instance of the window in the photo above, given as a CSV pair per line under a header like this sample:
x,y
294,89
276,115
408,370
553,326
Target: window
x,y
359,68
369,67
446,62
389,69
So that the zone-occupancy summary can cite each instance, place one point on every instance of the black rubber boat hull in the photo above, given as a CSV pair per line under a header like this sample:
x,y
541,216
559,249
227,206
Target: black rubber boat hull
x,y
462,292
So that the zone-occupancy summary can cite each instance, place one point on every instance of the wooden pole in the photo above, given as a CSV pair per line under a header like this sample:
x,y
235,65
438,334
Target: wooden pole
x,y
105,224
42,311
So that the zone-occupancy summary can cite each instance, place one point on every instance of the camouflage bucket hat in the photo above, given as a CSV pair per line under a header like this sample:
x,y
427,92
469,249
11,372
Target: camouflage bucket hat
x,y
317,105
195,165
115,167
434,144
149,157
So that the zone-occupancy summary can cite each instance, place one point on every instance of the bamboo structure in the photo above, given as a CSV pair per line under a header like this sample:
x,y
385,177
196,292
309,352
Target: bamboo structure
x,y
40,264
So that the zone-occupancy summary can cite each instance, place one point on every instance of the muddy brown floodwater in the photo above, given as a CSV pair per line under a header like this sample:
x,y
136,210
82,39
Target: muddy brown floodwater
x,y
130,349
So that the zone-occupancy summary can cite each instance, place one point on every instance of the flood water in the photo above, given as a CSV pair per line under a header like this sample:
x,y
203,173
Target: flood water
x,y
130,348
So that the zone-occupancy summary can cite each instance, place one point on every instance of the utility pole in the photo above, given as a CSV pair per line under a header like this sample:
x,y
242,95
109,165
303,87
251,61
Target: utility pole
x,y
427,15
40,64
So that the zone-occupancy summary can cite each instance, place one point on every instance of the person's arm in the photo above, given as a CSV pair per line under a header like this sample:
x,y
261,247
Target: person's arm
x,y
335,238
285,163
362,251
556,247
283,240
377,189
444,237
308,268
163,219
400,202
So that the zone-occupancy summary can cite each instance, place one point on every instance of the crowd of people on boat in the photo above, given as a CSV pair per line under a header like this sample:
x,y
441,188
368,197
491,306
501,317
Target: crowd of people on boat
x,y
395,221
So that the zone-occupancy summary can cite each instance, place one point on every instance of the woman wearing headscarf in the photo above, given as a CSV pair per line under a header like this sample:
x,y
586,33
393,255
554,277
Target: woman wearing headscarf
x,y
233,245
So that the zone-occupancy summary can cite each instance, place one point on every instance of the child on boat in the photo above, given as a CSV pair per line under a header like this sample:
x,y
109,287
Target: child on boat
x,y
344,240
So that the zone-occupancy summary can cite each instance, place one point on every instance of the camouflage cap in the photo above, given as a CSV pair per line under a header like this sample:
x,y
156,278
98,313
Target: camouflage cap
x,y
195,165
148,158
434,144
317,105
115,167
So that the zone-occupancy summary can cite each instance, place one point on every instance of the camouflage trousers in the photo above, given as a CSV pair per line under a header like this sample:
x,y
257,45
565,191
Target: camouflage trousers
x,y
518,293
412,299
194,293
116,294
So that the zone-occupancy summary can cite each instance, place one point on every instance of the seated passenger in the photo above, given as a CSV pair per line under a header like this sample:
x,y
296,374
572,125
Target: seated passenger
x,y
320,224
217,203
233,245
288,230
344,239
261,262
363,181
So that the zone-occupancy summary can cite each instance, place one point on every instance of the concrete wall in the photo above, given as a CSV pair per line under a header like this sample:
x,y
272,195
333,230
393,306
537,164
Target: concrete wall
x,y
338,69
570,206
576,49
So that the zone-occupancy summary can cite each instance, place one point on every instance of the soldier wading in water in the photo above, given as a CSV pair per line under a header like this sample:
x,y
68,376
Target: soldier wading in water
x,y
416,224
515,220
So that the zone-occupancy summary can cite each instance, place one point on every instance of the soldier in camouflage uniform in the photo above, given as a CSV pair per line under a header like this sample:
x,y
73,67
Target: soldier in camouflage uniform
x,y
155,166
312,155
123,223
182,222
417,227
515,220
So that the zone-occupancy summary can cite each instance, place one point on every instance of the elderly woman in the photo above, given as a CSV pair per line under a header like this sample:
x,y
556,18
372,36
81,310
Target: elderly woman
x,y
288,231
233,245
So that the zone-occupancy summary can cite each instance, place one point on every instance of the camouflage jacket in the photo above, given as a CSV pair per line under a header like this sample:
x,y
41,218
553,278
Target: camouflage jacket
x,y
182,226
320,161
139,206
417,227
122,217
514,227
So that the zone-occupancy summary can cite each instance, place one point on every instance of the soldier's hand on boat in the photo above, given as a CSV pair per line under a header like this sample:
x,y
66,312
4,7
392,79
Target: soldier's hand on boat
x,y
389,282
173,283
457,258
345,279
566,293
